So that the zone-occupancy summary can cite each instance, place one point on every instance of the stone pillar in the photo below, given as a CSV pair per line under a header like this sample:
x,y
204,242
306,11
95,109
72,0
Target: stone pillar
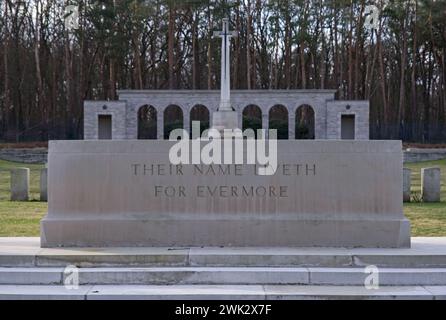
x,y
186,121
160,124
240,118
430,184
44,184
265,122
211,120
292,126
20,184
320,125
406,184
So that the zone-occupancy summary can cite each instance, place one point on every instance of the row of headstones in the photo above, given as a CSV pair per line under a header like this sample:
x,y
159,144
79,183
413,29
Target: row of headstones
x,y
430,184
20,184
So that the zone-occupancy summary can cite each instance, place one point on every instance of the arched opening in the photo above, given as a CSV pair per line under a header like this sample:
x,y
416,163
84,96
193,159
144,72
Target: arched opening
x,y
305,123
278,119
200,113
147,124
252,118
173,119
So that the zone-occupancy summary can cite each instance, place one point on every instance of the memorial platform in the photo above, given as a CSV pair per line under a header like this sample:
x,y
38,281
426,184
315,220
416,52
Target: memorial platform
x,y
30,272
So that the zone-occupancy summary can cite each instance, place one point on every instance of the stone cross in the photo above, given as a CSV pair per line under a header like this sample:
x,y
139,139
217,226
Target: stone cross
x,y
226,35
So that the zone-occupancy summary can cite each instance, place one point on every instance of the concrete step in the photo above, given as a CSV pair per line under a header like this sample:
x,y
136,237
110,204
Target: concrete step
x,y
223,276
220,292
26,252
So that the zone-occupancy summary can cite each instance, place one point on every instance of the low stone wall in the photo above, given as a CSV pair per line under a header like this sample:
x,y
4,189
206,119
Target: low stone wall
x,y
40,155
24,155
418,155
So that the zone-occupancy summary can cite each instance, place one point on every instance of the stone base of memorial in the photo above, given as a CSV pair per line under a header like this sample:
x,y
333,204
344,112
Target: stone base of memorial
x,y
224,120
127,193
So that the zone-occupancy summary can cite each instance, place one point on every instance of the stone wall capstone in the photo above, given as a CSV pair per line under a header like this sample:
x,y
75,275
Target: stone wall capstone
x,y
25,155
419,155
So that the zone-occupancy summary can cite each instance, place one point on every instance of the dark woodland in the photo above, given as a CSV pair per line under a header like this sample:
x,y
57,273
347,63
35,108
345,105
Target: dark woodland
x,y
47,71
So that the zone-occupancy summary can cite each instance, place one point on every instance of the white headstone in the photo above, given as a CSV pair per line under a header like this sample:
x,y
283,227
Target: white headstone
x,y
406,184
430,184
20,184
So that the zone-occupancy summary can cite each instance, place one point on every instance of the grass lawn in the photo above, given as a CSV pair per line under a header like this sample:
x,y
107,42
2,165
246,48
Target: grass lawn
x,y
5,166
22,218
416,175
427,219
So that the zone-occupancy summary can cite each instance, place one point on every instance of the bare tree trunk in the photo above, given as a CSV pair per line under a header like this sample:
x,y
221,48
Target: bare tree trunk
x,y
287,46
195,53
153,49
138,67
402,100
6,101
171,45
414,104
370,69
248,45
358,51
41,105
236,77
336,51
350,55
302,66
302,48
112,74
323,66
276,58
382,82
209,51
69,84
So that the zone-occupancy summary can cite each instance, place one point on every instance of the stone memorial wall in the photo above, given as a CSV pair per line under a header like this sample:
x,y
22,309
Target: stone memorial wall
x,y
127,193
